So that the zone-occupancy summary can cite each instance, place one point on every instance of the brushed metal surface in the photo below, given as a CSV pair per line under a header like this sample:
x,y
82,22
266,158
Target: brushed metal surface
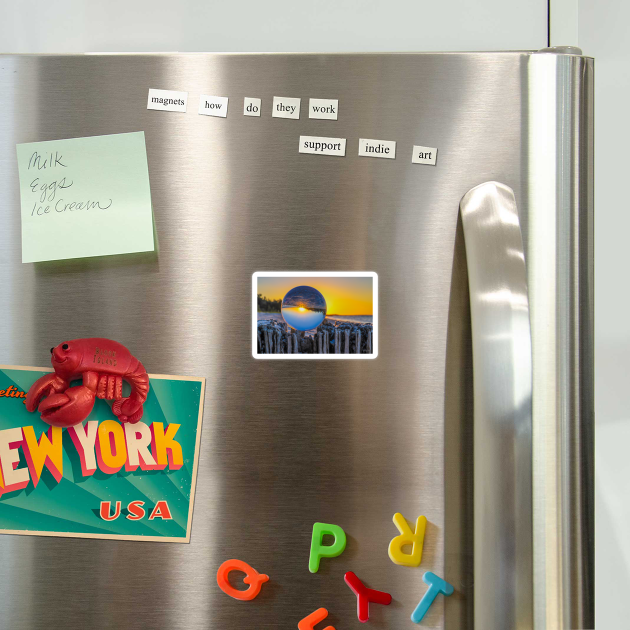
x,y
560,276
502,368
284,444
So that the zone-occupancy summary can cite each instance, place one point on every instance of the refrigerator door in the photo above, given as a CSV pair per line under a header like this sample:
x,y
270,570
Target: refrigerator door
x,y
289,443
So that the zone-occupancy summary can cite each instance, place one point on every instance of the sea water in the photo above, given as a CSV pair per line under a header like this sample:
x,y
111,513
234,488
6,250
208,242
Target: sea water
x,y
302,318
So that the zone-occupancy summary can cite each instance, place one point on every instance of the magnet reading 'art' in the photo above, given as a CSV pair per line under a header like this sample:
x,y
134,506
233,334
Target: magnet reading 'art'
x,y
407,537
319,551
252,577
102,364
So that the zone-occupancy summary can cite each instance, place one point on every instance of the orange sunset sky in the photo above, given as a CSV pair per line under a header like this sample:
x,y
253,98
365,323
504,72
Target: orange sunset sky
x,y
344,296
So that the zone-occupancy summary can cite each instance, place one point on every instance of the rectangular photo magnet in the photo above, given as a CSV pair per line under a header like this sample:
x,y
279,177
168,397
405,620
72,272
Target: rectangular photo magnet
x,y
315,315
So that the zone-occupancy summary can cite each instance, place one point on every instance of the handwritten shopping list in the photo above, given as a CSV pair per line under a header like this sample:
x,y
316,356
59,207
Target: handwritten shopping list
x,y
85,197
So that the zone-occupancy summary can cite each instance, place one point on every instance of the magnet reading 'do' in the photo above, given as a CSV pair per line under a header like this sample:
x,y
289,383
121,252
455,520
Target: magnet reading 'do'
x,y
315,315
102,364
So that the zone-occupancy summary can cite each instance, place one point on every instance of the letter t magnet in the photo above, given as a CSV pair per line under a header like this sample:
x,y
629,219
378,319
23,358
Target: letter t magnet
x,y
436,586
407,537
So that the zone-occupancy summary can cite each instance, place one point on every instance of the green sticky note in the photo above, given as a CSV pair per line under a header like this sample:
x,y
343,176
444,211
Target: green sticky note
x,y
85,197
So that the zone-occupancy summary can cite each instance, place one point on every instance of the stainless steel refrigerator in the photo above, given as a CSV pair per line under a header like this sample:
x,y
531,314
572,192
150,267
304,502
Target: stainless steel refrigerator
x,y
478,410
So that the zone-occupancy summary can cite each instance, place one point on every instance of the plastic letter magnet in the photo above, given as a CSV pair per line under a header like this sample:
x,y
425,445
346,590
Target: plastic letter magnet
x,y
365,596
252,577
319,551
308,623
436,586
407,537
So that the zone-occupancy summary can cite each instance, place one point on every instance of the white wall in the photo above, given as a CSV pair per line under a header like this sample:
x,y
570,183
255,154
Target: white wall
x,y
604,29
270,25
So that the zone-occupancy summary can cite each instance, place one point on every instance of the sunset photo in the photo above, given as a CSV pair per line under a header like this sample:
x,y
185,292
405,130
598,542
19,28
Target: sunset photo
x,y
309,315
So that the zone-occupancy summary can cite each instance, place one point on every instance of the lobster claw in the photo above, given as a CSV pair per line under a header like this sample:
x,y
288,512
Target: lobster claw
x,y
68,408
43,386
128,410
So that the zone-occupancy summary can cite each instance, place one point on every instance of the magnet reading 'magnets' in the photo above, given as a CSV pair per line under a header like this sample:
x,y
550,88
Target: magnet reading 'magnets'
x,y
103,364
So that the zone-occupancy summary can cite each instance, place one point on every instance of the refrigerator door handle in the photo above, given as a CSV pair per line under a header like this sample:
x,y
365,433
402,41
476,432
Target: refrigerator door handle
x,y
502,374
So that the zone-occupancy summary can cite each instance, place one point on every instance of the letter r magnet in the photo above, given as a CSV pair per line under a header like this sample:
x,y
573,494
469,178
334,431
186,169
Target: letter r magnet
x,y
407,537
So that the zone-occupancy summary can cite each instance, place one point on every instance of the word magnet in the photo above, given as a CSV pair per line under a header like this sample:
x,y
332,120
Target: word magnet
x,y
424,155
252,577
323,108
407,537
167,100
251,106
365,595
436,586
322,146
319,550
285,107
213,106
377,148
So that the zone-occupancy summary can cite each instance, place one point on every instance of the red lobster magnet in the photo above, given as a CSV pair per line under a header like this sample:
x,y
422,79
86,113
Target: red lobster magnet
x,y
103,364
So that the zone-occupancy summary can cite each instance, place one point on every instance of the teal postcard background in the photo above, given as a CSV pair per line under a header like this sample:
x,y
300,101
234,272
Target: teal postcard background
x,y
72,505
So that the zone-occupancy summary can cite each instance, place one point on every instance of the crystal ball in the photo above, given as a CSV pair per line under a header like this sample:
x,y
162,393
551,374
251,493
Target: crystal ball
x,y
303,308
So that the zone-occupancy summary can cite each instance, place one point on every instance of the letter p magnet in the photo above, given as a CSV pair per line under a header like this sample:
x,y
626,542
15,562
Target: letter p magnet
x,y
319,551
